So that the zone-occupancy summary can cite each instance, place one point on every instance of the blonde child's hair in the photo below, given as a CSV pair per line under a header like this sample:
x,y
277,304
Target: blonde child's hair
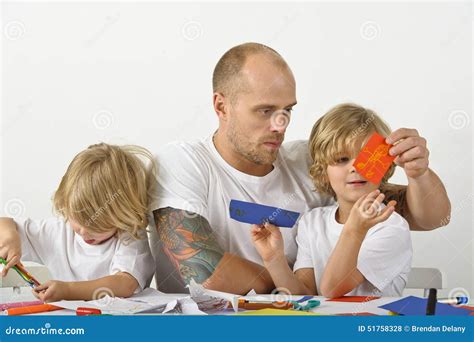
x,y
106,187
342,130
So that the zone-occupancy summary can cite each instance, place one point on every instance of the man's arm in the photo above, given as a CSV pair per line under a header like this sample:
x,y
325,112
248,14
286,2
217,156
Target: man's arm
x,y
191,244
424,203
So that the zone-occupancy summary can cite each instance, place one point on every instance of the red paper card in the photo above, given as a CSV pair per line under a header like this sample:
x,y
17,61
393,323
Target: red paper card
x,y
373,160
353,299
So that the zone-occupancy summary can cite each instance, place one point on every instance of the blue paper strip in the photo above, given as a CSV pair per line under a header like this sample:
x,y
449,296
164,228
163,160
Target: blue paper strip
x,y
253,213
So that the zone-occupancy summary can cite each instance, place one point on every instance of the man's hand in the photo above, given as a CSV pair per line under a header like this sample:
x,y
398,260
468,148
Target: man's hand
x,y
410,151
367,212
52,291
268,241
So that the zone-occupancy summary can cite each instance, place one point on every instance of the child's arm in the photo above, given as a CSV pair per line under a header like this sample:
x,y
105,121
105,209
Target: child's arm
x,y
341,274
10,243
120,284
269,243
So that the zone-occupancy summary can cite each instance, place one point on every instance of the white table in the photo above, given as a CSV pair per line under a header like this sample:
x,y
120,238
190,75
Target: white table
x,y
7,295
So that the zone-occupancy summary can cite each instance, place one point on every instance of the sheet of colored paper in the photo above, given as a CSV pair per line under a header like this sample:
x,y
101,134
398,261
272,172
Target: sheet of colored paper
x,y
253,213
353,299
417,306
373,160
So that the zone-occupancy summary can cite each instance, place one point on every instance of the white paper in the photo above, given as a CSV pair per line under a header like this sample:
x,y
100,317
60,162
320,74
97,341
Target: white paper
x,y
147,300
198,291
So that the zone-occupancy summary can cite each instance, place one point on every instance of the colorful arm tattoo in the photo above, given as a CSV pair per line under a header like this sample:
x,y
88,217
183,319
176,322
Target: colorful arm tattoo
x,y
189,242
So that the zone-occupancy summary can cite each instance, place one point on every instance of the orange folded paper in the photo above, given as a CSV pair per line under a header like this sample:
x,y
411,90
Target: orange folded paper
x,y
373,160
25,310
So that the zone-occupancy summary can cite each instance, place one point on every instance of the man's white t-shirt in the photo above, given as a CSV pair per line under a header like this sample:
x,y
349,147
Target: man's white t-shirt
x,y
193,176
52,242
384,258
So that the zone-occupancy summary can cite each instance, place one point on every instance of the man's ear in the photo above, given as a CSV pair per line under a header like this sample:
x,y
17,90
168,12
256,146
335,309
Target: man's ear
x,y
220,106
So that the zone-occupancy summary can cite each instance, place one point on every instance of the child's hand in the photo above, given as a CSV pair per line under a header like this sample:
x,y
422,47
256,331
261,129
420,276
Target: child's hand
x,y
10,249
367,212
52,291
268,241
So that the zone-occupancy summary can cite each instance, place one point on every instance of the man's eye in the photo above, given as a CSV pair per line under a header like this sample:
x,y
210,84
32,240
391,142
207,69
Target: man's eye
x,y
266,111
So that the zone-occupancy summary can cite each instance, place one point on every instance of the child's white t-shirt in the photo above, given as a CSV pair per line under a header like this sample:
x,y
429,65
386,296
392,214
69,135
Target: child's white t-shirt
x,y
53,243
384,258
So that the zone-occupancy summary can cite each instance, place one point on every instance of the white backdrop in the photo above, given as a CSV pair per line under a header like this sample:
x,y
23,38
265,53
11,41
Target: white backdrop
x,y
74,74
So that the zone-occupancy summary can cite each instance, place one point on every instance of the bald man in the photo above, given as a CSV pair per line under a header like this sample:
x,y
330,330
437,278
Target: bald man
x,y
244,159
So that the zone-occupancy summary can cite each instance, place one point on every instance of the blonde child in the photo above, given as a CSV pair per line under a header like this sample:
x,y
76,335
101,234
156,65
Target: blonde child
x,y
358,246
99,245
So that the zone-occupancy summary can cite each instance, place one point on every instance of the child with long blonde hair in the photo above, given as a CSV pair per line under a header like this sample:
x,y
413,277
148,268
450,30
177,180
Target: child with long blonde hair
x,y
99,243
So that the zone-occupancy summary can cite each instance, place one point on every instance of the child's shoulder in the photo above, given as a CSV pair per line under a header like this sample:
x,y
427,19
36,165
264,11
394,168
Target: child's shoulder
x,y
319,213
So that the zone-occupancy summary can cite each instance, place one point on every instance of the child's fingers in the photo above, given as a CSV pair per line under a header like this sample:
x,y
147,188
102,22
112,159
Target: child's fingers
x,y
377,203
257,232
36,294
392,203
46,296
255,229
271,228
42,287
361,199
12,262
385,214
373,195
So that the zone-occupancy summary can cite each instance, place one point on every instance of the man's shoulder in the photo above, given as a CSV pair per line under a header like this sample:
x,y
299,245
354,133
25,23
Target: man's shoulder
x,y
183,153
193,147
295,149
296,155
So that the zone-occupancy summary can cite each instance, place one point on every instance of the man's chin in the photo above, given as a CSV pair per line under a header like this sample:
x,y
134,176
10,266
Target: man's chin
x,y
268,158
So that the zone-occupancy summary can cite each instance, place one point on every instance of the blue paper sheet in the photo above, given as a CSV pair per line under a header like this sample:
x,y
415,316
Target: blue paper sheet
x,y
253,213
412,305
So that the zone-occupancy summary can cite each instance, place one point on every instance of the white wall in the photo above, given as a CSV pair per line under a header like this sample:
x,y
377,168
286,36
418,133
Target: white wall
x,y
74,74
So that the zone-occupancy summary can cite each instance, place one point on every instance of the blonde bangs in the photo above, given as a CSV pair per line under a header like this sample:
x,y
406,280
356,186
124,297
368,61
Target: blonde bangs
x,y
107,187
